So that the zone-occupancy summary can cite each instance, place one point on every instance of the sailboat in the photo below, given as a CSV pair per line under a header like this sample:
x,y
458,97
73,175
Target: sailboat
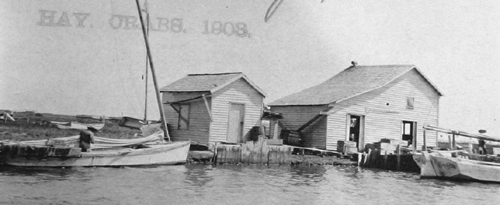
x,y
154,149
458,164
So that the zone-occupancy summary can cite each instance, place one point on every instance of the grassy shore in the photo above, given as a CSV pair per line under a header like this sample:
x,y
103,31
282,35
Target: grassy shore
x,y
42,129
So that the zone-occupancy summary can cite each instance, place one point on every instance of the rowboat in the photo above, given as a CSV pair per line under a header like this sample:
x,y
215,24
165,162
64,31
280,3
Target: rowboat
x,y
106,152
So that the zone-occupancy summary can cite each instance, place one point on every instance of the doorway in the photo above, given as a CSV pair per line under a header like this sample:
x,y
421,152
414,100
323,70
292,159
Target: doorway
x,y
409,132
355,130
236,122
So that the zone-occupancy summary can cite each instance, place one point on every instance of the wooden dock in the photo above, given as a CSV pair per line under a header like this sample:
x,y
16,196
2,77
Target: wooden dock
x,y
253,152
262,152
396,162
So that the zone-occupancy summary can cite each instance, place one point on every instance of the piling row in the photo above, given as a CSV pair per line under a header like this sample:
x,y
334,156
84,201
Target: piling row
x,y
259,152
253,152
396,162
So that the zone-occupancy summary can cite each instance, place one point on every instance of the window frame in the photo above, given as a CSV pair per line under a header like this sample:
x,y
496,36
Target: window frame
x,y
410,103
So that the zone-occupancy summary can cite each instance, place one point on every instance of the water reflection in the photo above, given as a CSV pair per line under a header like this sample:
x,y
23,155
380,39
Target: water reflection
x,y
234,184
307,175
198,175
45,174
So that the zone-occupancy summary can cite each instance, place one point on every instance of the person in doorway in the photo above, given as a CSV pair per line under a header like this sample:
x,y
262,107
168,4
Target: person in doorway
x,y
482,147
87,138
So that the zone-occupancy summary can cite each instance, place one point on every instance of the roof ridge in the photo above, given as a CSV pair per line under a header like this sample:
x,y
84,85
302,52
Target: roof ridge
x,y
228,73
383,65
348,83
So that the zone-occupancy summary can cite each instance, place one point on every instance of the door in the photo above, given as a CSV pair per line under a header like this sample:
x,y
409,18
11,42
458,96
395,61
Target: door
x,y
236,119
409,132
355,130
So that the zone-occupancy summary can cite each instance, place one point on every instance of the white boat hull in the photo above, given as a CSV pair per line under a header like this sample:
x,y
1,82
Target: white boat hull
x,y
459,168
423,161
160,154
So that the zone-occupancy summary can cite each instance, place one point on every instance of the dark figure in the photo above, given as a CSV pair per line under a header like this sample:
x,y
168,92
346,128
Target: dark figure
x,y
87,138
482,147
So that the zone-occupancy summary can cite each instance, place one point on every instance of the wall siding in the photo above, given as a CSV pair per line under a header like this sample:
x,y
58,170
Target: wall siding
x,y
199,122
237,92
314,134
385,121
296,116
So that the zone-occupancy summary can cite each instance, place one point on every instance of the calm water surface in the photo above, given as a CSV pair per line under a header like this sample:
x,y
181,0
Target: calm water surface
x,y
202,184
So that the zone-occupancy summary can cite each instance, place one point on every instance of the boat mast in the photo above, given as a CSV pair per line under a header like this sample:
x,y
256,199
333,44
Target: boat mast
x,y
147,61
150,57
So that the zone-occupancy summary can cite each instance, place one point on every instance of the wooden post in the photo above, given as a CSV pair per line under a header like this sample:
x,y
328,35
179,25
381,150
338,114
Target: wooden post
x,y
450,144
414,141
398,148
366,158
454,142
425,143
360,158
214,159
208,107
385,160
276,127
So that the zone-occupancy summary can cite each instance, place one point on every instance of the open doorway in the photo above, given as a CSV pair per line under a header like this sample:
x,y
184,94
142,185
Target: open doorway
x,y
355,130
409,132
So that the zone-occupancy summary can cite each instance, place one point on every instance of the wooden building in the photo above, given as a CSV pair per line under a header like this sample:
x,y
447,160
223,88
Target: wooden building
x,y
363,104
219,107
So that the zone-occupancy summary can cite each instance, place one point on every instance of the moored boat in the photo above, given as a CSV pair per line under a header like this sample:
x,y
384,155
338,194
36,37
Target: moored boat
x,y
62,152
423,161
458,164
462,168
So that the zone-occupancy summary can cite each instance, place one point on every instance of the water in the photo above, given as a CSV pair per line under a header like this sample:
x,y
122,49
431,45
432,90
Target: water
x,y
202,184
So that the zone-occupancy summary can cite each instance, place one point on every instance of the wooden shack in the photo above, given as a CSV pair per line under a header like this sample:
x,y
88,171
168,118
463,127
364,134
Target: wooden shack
x,y
218,107
363,104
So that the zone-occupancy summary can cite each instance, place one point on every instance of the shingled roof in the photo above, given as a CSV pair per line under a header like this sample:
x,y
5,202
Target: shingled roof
x,y
351,82
208,82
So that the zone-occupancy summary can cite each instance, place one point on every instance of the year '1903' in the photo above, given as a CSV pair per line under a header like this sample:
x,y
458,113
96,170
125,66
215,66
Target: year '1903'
x,y
51,18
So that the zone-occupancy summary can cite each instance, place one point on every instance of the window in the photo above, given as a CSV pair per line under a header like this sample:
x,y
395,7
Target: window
x,y
183,117
410,103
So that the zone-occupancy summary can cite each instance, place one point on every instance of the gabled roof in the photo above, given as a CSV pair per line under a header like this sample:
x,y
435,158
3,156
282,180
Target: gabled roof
x,y
209,82
351,82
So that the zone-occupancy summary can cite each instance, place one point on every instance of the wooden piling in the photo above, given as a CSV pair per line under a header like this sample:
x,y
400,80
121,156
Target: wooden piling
x,y
272,156
385,159
425,143
454,142
398,148
450,144
366,157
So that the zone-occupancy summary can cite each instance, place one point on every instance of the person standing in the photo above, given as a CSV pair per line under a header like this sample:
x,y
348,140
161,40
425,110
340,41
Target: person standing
x,y
87,138
482,147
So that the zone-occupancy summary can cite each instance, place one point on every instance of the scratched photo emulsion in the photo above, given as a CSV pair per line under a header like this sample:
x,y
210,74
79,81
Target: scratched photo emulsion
x,y
249,102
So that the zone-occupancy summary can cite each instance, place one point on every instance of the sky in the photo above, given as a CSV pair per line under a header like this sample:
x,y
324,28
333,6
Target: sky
x,y
88,57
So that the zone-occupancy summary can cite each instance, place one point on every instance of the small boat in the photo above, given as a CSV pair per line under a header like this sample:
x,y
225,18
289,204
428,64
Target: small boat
x,y
458,164
423,161
462,168
106,152
78,125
